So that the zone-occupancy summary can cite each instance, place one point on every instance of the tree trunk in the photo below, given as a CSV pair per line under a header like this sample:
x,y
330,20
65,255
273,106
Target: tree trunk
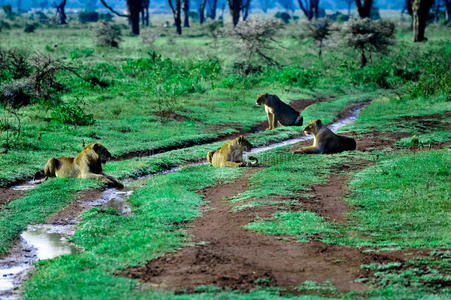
x,y
214,4
420,10
201,11
246,10
186,13
310,8
60,11
448,10
145,12
134,8
364,8
235,8
176,12
363,60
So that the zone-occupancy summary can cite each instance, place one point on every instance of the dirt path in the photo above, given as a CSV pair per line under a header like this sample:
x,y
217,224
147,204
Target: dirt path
x,y
229,256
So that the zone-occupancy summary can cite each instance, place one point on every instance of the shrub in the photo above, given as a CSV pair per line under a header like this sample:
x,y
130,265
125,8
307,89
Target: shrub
x,y
285,17
255,37
149,37
13,64
319,30
88,16
16,94
72,113
30,27
107,34
366,35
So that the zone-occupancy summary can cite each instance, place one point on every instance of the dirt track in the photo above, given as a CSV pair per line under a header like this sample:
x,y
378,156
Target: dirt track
x,y
229,256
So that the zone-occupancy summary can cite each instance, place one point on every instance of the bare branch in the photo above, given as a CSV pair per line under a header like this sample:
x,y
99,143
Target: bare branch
x,y
113,11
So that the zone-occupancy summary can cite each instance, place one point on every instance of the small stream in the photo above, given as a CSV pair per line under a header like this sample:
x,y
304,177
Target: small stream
x,y
46,241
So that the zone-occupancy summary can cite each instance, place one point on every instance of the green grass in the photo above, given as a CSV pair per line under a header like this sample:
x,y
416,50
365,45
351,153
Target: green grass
x,y
37,205
404,200
112,242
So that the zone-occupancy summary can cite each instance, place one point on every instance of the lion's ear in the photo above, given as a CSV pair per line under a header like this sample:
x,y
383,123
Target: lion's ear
x,y
96,147
318,122
265,94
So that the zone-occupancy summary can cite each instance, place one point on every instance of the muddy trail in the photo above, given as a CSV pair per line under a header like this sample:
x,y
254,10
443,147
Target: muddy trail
x,y
231,257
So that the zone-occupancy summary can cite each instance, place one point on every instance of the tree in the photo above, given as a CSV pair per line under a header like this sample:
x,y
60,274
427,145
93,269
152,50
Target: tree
x,y
420,9
201,11
319,30
185,7
448,10
134,7
246,10
309,8
255,37
213,4
60,12
364,8
366,35
145,12
235,7
176,13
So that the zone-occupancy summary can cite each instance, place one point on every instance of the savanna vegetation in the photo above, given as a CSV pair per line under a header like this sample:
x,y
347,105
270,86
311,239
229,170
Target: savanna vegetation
x,y
186,85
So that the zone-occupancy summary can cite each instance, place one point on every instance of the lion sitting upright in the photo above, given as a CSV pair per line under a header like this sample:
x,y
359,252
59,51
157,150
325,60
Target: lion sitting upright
x,y
231,154
279,112
325,142
88,165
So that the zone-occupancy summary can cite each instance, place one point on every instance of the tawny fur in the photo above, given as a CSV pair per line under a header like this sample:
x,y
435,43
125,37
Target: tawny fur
x,y
325,142
279,112
231,154
88,165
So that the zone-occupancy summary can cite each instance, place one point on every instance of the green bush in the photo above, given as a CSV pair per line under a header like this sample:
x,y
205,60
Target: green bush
x,y
72,113
29,28
88,16
293,76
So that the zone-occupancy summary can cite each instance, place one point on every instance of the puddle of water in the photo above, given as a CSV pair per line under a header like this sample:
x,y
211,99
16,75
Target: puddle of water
x,y
27,186
50,240
117,199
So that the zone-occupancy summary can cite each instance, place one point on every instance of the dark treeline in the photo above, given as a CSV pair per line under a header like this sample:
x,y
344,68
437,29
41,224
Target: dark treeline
x,y
163,4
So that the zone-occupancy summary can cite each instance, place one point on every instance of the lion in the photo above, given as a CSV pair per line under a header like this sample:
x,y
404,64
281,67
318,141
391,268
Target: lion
x,y
325,142
279,112
231,154
88,165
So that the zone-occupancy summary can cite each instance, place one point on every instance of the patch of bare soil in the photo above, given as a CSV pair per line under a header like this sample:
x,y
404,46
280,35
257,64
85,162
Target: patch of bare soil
x,y
229,256
70,213
170,115
8,195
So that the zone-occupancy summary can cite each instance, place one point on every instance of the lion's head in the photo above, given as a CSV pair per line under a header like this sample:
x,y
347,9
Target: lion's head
x,y
102,152
313,127
244,143
210,156
262,99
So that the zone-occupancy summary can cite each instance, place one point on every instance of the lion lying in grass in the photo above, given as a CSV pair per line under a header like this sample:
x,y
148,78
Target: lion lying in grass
x,y
325,141
231,154
88,165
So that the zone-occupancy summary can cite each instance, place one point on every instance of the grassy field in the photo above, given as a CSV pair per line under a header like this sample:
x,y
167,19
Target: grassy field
x,y
184,93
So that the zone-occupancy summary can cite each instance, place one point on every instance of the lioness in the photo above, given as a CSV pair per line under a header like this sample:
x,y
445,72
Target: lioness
x,y
325,141
231,154
88,165
279,112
